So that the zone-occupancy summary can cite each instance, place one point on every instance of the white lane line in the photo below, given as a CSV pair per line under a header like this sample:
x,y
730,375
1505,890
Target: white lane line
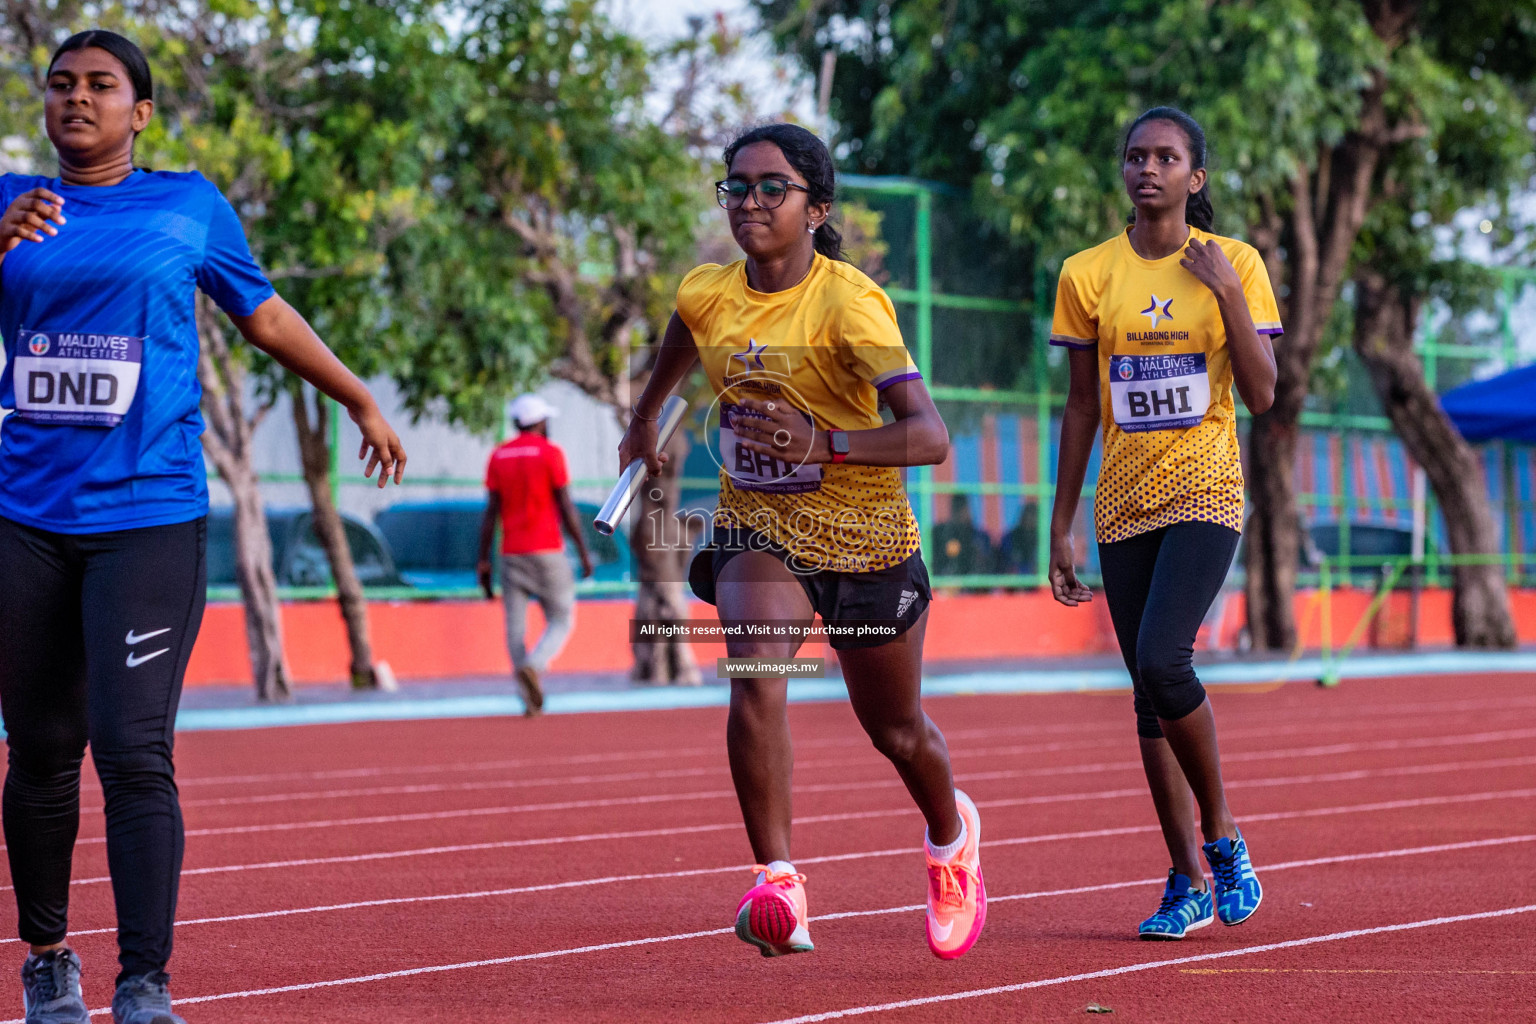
x,y
1375,712
1428,742
588,780
907,851
645,833
1055,798
1079,890
336,774
510,844
412,972
668,753
1268,947
684,936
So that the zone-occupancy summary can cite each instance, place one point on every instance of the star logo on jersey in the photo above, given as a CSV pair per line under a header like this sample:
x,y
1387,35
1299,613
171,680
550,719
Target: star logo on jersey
x,y
754,352
38,346
1158,311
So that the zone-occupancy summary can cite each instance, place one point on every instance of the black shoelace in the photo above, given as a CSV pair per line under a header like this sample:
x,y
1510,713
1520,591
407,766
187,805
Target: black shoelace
x,y
1171,900
1226,872
48,977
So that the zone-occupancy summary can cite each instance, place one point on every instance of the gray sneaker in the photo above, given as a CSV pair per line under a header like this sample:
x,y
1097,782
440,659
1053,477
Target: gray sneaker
x,y
144,999
50,989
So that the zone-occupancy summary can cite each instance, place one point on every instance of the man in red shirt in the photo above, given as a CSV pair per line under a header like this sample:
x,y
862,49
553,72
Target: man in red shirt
x,y
525,484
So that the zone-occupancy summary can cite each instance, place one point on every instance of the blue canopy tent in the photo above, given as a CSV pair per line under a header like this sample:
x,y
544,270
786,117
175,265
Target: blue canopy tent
x,y
1501,408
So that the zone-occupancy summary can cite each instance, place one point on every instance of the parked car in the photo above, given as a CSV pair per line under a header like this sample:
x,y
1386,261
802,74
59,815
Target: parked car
x,y
1367,541
435,543
1372,544
298,560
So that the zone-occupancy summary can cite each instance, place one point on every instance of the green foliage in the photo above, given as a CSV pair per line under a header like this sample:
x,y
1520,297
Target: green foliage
x,y
383,163
1042,91
914,79
564,217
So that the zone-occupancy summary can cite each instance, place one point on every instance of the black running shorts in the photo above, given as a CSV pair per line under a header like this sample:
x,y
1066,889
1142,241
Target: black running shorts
x,y
898,594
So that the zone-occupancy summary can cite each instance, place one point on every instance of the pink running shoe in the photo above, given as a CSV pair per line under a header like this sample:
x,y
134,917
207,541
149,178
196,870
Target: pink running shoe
x,y
772,915
957,897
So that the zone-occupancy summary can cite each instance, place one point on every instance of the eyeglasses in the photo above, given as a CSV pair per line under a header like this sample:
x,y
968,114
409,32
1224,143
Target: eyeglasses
x,y
770,192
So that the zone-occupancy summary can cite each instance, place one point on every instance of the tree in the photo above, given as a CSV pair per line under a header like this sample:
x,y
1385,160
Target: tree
x,y
1473,150
561,217
360,181
1308,106
243,90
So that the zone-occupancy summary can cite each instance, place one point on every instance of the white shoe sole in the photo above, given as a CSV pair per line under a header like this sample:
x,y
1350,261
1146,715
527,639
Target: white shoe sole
x,y
799,939
1165,937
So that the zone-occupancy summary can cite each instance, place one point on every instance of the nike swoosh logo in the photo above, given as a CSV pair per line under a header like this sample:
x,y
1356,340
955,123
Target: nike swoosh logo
x,y
133,638
941,932
134,660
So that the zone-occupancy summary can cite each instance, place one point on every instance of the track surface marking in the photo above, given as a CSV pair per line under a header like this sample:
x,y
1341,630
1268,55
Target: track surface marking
x,y
583,868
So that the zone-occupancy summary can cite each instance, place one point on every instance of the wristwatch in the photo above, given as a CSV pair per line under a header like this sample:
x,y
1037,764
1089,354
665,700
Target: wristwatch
x,y
839,442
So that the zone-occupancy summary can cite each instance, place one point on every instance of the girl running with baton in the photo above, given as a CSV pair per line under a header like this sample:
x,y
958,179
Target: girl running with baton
x,y
800,348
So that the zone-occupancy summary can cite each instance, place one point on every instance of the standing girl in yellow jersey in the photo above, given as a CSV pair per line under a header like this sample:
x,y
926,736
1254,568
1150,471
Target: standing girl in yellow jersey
x,y
800,348
1160,323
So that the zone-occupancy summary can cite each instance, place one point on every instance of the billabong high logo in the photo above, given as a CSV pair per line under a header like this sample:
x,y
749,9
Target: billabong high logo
x,y
753,356
1158,311
38,346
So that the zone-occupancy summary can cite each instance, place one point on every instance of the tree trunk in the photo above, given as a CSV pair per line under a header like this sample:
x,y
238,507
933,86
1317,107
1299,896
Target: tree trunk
x,y
662,544
1272,547
1384,324
1325,211
313,428
258,587
227,440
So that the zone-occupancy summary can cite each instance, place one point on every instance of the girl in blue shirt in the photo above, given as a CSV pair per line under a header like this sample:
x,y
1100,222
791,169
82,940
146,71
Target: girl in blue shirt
x,y
103,501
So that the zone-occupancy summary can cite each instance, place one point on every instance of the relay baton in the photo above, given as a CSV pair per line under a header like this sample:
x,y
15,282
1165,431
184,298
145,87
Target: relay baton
x,y
633,478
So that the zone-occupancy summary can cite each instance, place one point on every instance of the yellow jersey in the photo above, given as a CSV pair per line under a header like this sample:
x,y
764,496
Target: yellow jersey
x,y
1165,381
827,347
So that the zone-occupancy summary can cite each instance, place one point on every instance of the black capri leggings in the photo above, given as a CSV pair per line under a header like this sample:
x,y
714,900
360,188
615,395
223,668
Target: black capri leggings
x,y
1159,586
95,633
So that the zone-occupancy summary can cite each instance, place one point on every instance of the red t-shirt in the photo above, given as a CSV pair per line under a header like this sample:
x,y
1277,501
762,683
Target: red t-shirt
x,y
525,472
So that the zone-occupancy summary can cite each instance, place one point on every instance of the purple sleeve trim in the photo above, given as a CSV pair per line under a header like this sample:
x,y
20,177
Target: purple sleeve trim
x,y
909,375
1074,344
1271,330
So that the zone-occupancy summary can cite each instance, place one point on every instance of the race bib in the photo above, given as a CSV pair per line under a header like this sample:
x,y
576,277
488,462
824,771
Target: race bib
x,y
80,379
1163,392
755,471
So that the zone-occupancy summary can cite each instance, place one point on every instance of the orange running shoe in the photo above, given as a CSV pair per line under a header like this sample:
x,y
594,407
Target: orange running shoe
x,y
957,896
772,915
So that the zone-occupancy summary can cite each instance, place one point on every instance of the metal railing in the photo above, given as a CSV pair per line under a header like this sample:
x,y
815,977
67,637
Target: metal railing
x,y
1392,569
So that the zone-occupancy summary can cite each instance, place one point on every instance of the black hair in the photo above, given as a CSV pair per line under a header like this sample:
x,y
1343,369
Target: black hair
x,y
125,50
1197,210
808,155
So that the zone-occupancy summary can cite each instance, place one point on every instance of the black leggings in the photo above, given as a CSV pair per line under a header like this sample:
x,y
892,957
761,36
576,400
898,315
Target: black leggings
x,y
1159,586
95,633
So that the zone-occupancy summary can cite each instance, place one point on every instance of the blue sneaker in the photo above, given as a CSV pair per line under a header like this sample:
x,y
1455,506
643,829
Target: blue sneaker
x,y
1238,892
1183,910
50,989
144,999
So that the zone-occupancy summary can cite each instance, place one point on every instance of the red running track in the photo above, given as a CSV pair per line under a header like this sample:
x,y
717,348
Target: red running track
x,y
585,868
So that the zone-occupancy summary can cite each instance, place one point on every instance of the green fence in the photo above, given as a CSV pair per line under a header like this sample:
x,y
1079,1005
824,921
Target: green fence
x,y
938,281
976,315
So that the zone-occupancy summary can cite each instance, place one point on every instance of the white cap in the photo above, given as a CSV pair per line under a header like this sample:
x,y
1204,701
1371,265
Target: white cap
x,y
529,409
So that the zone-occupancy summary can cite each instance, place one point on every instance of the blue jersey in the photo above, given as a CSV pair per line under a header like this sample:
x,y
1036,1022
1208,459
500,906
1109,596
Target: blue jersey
x,y
101,350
